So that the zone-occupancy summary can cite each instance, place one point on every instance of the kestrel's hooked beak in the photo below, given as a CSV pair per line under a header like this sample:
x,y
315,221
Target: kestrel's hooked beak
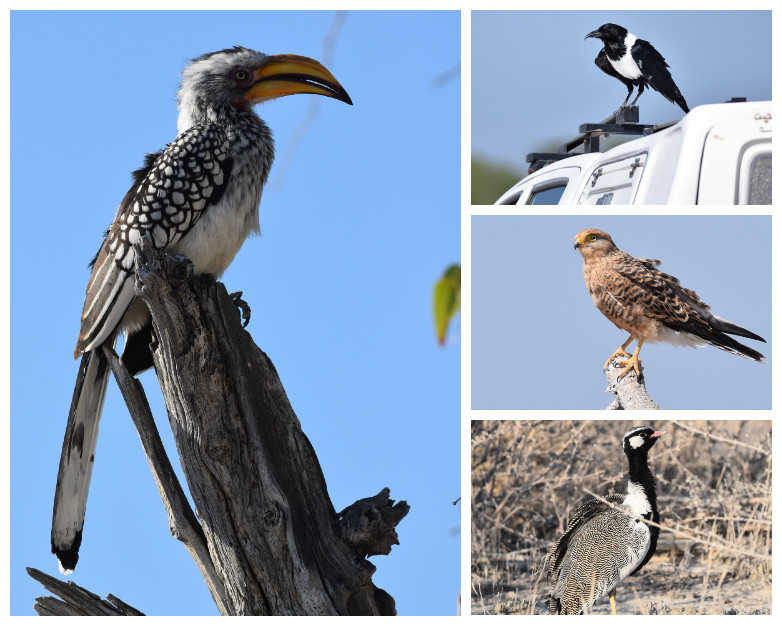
x,y
579,243
288,74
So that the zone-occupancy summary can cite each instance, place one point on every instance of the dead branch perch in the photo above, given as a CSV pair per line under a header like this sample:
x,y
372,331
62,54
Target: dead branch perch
x,y
272,532
629,393
181,520
266,537
75,600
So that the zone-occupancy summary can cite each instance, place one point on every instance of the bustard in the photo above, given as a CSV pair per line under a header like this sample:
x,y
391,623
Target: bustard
x,y
605,542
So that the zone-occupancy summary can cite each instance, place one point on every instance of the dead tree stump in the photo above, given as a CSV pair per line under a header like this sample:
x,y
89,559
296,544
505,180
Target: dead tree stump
x,y
265,535
273,535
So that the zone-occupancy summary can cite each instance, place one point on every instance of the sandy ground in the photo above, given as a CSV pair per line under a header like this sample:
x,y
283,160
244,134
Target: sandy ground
x,y
661,588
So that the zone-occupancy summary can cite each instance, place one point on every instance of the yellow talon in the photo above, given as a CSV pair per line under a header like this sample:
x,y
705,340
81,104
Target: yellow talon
x,y
621,351
632,363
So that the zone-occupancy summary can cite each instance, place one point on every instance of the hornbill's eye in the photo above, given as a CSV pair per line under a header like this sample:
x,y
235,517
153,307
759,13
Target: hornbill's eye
x,y
241,75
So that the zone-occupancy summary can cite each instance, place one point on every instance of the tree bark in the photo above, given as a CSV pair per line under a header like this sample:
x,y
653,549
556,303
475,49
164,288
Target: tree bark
x,y
181,520
629,393
273,535
75,600
269,541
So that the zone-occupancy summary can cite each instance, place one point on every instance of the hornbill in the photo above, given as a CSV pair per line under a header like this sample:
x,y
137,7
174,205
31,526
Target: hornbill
x,y
198,197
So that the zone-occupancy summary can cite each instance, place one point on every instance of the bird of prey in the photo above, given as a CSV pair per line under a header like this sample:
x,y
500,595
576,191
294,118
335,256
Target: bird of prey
x,y
635,62
198,197
650,305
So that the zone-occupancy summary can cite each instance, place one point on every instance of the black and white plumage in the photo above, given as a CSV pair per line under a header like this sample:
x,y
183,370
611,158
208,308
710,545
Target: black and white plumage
x,y
635,62
198,197
605,543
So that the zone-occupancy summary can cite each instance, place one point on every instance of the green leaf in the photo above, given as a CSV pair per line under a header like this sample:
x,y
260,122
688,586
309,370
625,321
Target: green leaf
x,y
447,300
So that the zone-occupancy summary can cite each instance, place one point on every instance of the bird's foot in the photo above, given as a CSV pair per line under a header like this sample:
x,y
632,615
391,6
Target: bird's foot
x,y
633,363
243,307
620,352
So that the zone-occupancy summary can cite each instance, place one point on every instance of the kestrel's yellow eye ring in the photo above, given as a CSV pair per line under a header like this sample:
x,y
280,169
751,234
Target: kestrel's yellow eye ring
x,y
592,237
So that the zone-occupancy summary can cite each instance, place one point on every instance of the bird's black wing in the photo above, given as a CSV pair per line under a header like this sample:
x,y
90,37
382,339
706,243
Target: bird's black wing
x,y
169,194
655,70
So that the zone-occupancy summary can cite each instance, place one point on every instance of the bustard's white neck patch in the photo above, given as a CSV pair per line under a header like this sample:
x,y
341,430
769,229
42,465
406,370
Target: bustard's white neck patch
x,y
636,442
636,499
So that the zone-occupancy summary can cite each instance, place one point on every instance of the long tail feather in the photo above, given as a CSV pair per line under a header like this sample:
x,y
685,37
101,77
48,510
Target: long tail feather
x,y
77,459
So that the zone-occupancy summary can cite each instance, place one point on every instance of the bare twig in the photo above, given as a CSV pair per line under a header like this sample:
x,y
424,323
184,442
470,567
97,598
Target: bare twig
x,y
181,520
75,600
733,442
313,109
688,533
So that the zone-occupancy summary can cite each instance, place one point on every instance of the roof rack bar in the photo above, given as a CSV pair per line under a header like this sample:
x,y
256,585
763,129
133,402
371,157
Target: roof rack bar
x,y
590,141
621,122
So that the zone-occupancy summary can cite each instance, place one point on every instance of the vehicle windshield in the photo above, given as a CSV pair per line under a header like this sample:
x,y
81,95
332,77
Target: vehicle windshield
x,y
549,195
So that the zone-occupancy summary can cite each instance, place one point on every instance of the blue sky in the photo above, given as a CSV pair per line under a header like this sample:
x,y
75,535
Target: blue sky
x,y
534,79
539,342
358,220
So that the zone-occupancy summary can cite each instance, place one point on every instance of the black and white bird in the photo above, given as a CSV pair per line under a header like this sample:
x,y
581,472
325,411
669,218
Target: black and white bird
x,y
198,197
635,62
606,543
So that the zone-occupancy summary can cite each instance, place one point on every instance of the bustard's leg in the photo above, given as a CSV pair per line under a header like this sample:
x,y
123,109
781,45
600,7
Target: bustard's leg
x,y
619,352
632,363
612,600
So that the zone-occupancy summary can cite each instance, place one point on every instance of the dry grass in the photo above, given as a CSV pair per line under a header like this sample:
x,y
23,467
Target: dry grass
x,y
714,485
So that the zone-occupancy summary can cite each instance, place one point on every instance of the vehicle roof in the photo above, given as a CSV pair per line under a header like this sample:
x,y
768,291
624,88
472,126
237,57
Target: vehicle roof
x,y
684,141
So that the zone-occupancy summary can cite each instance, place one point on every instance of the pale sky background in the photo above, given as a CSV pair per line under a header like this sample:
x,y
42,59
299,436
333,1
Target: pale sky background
x,y
358,222
539,342
534,79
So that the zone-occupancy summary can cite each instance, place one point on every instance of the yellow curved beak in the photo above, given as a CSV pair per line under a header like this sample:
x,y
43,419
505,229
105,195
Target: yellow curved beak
x,y
288,74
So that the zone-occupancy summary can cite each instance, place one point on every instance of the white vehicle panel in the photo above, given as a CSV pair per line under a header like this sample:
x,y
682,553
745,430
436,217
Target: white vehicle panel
x,y
716,154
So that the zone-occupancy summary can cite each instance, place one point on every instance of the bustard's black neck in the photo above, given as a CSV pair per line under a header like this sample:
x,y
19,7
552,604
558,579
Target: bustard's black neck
x,y
641,482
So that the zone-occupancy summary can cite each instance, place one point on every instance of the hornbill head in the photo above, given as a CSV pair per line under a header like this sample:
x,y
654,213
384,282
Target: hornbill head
x,y
241,78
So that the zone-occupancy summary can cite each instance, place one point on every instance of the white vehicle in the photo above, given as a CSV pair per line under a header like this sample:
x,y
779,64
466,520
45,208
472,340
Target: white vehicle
x,y
716,154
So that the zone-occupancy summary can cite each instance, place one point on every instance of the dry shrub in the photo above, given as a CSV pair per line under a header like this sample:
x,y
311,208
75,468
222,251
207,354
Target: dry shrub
x,y
714,486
